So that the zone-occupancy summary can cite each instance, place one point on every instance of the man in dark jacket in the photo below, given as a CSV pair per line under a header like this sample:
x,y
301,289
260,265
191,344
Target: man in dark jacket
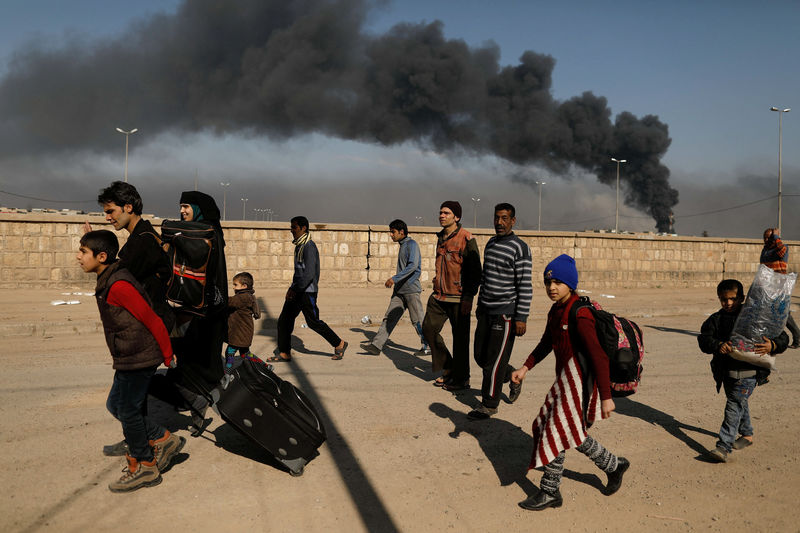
x,y
141,255
302,296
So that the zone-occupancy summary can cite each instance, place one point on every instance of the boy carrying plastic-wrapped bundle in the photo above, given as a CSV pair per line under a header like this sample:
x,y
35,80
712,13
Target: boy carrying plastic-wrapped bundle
x,y
754,338
763,315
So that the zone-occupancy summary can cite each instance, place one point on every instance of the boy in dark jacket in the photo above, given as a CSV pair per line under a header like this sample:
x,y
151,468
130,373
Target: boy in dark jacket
x,y
738,378
139,343
243,308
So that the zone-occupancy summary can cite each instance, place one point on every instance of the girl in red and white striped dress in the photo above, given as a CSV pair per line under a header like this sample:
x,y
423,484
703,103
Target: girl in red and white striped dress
x,y
576,397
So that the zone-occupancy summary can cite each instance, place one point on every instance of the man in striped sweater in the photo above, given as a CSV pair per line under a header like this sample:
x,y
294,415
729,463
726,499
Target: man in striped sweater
x,y
503,306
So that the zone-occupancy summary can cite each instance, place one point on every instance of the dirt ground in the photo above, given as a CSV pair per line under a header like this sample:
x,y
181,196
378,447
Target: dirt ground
x,y
401,455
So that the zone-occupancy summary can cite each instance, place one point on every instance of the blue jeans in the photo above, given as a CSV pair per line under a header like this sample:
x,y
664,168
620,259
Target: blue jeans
x,y
737,411
127,402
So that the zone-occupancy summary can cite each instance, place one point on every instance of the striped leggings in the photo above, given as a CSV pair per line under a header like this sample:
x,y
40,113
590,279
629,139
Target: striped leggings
x,y
604,459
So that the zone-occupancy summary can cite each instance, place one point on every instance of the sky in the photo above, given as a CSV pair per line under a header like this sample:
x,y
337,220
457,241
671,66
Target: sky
x,y
708,71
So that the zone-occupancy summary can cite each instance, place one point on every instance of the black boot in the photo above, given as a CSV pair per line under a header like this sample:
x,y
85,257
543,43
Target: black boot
x,y
615,477
542,500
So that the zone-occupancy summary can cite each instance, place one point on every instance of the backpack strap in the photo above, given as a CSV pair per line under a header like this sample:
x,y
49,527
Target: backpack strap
x,y
155,236
578,349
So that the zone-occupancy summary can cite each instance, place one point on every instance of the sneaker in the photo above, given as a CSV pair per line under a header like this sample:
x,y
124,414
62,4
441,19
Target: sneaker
x,y
718,455
514,390
742,443
136,475
371,349
423,352
166,448
615,477
482,412
116,450
253,357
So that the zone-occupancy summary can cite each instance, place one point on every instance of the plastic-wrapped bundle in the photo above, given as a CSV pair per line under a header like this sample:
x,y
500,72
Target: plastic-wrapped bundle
x,y
764,314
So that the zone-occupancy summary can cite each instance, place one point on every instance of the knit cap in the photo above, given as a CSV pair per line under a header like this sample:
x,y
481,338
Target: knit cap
x,y
453,206
563,269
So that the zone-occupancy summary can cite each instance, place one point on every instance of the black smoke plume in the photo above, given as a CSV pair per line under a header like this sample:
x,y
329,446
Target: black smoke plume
x,y
280,68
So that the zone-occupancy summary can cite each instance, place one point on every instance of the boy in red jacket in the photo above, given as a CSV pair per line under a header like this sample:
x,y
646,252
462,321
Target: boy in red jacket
x,y
139,343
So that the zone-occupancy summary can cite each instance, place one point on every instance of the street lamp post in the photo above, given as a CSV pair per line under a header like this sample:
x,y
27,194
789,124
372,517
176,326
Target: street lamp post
x,y
225,186
244,207
269,214
780,147
475,201
420,221
127,134
616,218
540,183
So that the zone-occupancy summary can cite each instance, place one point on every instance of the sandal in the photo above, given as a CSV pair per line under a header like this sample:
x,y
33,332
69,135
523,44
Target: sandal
x,y
441,380
337,353
278,359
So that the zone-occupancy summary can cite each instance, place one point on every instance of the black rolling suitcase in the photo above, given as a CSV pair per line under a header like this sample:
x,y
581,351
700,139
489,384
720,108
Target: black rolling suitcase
x,y
272,412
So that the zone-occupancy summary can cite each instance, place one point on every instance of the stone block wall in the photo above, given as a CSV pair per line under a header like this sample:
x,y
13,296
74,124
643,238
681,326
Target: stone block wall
x,y
38,250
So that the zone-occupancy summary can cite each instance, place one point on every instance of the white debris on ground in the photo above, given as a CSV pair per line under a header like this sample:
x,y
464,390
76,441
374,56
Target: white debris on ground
x,y
63,302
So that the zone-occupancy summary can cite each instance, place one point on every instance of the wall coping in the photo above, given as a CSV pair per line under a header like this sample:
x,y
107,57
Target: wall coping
x,y
324,226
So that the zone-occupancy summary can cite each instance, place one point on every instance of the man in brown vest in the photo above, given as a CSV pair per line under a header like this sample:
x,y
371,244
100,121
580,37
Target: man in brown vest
x,y
458,275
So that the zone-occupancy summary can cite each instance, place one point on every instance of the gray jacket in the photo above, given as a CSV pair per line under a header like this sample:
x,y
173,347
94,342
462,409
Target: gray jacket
x,y
409,267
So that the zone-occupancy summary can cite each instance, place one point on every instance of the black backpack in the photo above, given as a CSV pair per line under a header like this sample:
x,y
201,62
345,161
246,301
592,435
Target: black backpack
x,y
620,338
193,256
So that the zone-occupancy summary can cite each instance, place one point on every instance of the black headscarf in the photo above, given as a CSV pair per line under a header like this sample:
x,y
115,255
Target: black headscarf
x,y
207,207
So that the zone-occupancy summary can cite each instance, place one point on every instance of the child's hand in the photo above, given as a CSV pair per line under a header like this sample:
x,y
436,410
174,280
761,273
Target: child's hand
x,y
764,347
87,227
519,374
726,348
607,407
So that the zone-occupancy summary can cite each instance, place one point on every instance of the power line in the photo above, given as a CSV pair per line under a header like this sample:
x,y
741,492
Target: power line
x,y
45,199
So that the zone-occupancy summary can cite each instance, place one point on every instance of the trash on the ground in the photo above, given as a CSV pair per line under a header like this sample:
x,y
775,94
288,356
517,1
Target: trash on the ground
x,y
304,325
584,291
58,302
608,296
366,320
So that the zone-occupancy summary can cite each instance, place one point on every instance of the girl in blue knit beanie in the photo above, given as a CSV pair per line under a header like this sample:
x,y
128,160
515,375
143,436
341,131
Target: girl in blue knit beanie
x,y
579,396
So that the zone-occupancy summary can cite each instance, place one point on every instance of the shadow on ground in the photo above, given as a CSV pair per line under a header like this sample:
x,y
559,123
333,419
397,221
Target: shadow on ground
x,y
403,357
506,446
674,330
676,428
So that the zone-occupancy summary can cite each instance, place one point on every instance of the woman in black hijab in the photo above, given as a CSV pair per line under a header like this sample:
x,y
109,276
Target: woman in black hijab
x,y
199,349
